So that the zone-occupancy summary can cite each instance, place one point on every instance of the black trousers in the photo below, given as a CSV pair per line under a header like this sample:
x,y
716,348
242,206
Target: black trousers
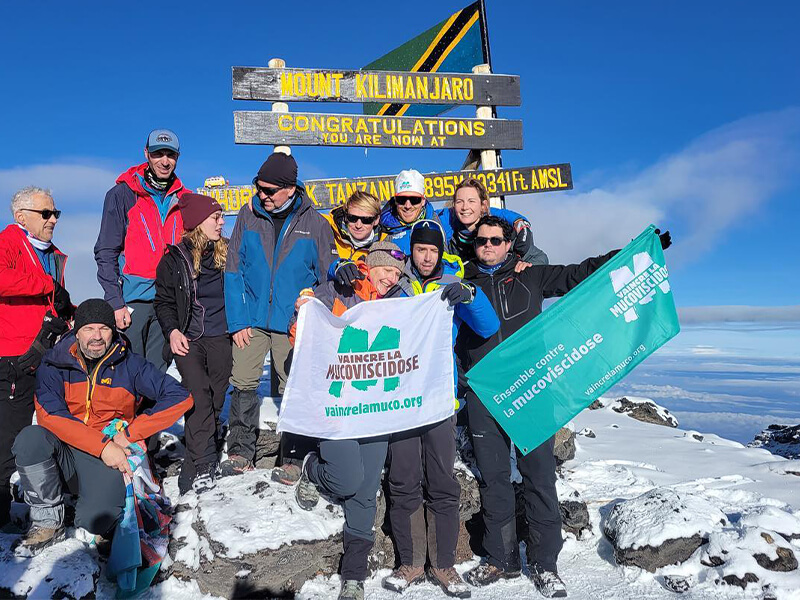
x,y
423,459
16,412
205,372
538,469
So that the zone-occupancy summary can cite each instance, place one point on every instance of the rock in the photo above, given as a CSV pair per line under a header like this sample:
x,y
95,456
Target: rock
x,y
678,583
783,440
564,448
645,410
587,432
740,581
574,517
774,519
596,405
661,527
786,560
267,445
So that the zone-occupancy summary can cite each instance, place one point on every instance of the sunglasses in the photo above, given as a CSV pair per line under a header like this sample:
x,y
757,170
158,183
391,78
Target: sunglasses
x,y
401,200
269,192
395,254
482,241
356,218
46,213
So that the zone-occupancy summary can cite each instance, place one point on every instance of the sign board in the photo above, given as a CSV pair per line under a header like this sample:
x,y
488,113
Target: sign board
x,y
320,129
320,85
329,193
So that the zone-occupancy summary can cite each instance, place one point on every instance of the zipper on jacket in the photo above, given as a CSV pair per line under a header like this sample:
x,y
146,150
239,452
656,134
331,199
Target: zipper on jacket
x,y
147,231
91,380
495,302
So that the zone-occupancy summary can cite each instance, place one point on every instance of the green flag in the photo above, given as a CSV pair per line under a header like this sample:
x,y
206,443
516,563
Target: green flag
x,y
453,46
538,379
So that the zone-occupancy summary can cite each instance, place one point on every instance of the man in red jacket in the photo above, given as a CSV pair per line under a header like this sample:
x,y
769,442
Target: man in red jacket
x,y
140,217
33,309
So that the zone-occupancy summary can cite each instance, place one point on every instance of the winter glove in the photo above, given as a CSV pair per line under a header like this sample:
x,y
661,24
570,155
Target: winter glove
x,y
666,239
523,238
458,292
347,273
63,303
52,327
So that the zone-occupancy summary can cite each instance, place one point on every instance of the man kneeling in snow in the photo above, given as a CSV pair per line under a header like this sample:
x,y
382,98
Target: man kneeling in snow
x,y
85,381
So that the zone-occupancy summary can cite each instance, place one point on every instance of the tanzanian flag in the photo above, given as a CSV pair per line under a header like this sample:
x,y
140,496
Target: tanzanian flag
x,y
453,46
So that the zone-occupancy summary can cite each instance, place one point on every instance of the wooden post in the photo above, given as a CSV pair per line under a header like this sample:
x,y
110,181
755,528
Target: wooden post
x,y
488,157
280,107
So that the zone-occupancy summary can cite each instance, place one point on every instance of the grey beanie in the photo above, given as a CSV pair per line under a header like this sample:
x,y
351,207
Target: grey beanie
x,y
385,254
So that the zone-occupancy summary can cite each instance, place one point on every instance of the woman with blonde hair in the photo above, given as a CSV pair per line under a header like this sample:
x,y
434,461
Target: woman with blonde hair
x,y
190,307
470,203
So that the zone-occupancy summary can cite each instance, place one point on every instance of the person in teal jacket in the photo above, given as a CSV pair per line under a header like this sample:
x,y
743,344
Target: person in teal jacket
x,y
280,245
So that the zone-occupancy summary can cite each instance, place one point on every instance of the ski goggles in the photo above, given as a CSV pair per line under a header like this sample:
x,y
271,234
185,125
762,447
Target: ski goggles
x,y
395,254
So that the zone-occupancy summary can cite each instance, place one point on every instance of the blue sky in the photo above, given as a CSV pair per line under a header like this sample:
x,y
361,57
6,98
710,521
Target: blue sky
x,y
682,113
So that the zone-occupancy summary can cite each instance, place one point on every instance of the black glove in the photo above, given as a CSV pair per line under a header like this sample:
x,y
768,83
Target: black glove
x,y
523,239
62,302
666,239
347,273
52,327
458,292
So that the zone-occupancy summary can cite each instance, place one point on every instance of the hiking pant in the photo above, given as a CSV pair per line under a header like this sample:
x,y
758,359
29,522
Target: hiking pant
x,y
351,470
417,458
538,469
248,362
47,466
16,413
205,372
145,334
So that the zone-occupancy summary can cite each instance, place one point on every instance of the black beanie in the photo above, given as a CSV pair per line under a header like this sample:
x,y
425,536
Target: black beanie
x,y
279,169
95,310
428,231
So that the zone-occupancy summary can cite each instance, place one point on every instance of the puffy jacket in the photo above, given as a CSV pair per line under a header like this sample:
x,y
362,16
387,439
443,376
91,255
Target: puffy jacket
x,y
344,247
460,239
517,297
133,237
26,291
400,232
262,281
76,405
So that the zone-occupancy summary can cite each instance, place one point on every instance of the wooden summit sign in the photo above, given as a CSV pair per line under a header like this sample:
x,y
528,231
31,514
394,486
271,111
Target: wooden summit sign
x,y
316,129
320,85
329,193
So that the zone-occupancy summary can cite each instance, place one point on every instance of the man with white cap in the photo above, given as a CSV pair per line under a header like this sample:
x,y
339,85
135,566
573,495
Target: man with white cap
x,y
406,207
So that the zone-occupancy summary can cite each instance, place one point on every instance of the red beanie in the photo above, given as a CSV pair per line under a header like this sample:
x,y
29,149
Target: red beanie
x,y
195,208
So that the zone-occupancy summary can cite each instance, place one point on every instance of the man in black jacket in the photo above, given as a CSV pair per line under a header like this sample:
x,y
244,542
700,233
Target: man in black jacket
x,y
517,299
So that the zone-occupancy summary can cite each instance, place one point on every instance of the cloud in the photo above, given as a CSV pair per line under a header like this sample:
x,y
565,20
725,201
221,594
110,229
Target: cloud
x,y
76,235
78,184
774,315
708,186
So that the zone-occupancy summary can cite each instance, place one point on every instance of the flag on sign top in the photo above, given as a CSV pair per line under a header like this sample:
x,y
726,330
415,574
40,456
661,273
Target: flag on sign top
x,y
453,46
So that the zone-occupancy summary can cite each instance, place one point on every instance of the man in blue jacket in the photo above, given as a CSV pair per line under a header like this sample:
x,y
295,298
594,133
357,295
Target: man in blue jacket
x,y
279,246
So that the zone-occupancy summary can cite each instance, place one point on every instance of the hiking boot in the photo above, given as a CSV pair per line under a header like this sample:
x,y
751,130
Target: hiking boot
x,y
403,577
38,538
352,589
486,573
450,582
205,478
235,465
547,582
306,492
287,474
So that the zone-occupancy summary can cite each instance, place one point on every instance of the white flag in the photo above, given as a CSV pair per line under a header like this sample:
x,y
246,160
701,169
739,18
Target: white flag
x,y
383,366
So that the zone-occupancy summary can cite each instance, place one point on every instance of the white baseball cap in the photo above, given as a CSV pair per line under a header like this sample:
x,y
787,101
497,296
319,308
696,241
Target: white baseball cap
x,y
410,181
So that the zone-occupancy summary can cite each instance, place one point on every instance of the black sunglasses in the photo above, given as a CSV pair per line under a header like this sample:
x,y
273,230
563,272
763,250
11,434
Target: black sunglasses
x,y
269,192
365,220
395,254
415,200
46,213
482,241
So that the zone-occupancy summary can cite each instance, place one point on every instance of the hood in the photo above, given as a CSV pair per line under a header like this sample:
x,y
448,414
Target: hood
x,y
64,354
131,178
391,223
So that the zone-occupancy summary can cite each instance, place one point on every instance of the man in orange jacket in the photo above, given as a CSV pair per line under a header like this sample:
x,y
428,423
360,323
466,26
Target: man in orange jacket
x,y
87,380
33,309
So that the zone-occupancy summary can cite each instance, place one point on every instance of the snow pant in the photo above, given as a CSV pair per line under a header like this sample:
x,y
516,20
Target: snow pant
x,y
47,465
351,470
16,413
248,367
424,457
145,334
538,469
205,372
